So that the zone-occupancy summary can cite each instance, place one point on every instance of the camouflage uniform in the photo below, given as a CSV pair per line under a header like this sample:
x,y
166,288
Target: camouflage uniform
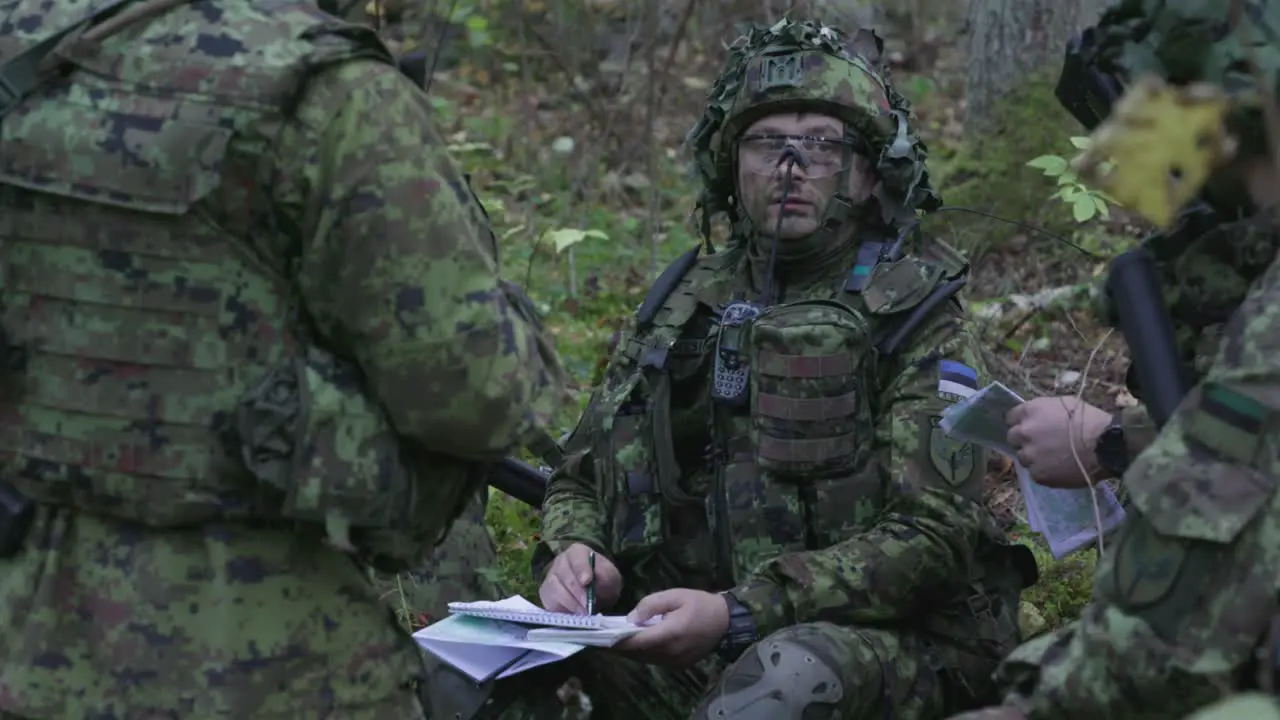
x,y
1244,706
822,495
459,567
1205,274
1204,279
235,257
1185,602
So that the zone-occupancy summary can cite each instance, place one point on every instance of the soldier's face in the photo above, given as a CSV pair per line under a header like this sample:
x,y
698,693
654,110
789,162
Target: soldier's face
x,y
821,154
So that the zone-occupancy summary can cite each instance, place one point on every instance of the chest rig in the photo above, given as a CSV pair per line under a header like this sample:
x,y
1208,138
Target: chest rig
x,y
793,396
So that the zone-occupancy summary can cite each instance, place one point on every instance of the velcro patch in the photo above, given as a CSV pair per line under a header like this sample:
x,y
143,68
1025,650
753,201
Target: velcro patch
x,y
1228,422
956,379
955,460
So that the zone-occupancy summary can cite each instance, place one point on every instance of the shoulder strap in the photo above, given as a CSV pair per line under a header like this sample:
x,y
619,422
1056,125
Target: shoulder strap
x,y
891,335
23,74
894,331
664,286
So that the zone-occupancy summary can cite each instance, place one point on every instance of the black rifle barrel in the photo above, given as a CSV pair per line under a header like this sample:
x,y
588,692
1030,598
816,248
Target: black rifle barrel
x,y
520,480
1138,309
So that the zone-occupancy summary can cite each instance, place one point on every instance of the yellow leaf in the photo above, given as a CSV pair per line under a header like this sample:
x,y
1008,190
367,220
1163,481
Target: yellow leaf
x,y
1161,143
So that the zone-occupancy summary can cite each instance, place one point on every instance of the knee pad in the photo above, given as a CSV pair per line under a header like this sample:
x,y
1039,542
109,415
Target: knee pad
x,y
776,680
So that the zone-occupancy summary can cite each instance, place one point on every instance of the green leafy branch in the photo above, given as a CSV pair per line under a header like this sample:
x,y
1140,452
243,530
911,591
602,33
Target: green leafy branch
x,y
1086,202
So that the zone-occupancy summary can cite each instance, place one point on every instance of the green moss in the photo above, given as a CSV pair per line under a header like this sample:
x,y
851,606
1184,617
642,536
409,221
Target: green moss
x,y
1065,585
988,170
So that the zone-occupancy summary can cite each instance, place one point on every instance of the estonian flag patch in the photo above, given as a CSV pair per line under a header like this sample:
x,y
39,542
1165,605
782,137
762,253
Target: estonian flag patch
x,y
956,378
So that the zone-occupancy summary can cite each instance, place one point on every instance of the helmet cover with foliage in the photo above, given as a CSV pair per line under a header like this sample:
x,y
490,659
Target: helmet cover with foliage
x,y
807,67
1189,41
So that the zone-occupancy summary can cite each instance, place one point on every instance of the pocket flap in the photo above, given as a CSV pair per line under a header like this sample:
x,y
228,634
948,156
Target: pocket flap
x,y
1187,489
140,156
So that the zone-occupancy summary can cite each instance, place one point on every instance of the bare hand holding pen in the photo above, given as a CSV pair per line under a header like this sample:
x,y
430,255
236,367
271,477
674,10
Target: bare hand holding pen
x,y
565,587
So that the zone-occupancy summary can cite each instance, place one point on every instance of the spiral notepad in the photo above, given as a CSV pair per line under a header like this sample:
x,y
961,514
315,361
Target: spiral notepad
x,y
518,610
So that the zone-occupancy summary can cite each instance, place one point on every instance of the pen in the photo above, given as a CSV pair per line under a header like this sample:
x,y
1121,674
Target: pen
x,y
591,588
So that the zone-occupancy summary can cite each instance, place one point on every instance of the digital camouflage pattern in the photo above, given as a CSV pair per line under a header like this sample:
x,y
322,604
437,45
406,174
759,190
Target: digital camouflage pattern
x,y
1196,41
207,175
1205,274
1188,590
839,517
804,62
904,524
1245,706
460,569
1185,602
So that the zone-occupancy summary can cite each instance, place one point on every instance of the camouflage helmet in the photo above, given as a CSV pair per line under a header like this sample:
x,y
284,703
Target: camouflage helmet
x,y
805,66
1189,41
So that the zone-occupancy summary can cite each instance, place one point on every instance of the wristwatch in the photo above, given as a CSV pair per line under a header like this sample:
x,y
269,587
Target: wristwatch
x,y
742,630
1111,450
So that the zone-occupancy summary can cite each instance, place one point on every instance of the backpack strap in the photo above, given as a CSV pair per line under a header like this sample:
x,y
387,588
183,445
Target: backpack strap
x,y
664,286
906,291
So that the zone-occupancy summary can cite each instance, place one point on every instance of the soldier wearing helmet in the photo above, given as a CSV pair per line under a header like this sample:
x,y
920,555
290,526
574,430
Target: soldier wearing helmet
x,y
1185,606
762,465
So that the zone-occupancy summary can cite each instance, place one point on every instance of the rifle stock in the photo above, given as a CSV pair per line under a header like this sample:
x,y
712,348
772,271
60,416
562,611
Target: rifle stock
x,y
520,480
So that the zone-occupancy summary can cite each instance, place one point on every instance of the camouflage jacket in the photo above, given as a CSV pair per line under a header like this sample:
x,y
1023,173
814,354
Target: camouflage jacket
x,y
204,191
1188,590
1204,279
826,492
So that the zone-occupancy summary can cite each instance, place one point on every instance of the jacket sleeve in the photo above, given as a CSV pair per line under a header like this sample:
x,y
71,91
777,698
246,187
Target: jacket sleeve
x,y
927,533
572,512
399,270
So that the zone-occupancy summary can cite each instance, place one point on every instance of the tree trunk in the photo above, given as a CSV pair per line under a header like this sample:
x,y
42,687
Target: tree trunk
x,y
1011,39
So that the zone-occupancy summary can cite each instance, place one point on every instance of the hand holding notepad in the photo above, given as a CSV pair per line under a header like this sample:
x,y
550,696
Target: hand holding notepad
x,y
593,630
488,640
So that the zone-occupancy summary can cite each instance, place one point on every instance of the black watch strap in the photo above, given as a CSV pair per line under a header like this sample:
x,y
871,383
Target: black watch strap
x,y
742,629
1112,448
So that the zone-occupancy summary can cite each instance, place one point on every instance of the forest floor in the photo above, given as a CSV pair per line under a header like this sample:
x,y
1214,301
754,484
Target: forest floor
x,y
566,162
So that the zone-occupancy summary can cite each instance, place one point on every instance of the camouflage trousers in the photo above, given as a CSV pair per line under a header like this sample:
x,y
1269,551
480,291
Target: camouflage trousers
x,y
407,707
803,672
1241,706
1250,706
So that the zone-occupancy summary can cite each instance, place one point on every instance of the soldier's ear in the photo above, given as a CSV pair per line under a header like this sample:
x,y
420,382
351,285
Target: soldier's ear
x,y
866,44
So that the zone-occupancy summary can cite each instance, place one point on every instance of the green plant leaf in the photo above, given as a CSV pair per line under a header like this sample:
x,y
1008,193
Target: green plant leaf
x,y
1082,207
1080,142
1101,206
1050,164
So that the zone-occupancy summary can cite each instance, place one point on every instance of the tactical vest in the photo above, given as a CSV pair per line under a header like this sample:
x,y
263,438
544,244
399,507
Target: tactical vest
x,y
167,375
790,464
